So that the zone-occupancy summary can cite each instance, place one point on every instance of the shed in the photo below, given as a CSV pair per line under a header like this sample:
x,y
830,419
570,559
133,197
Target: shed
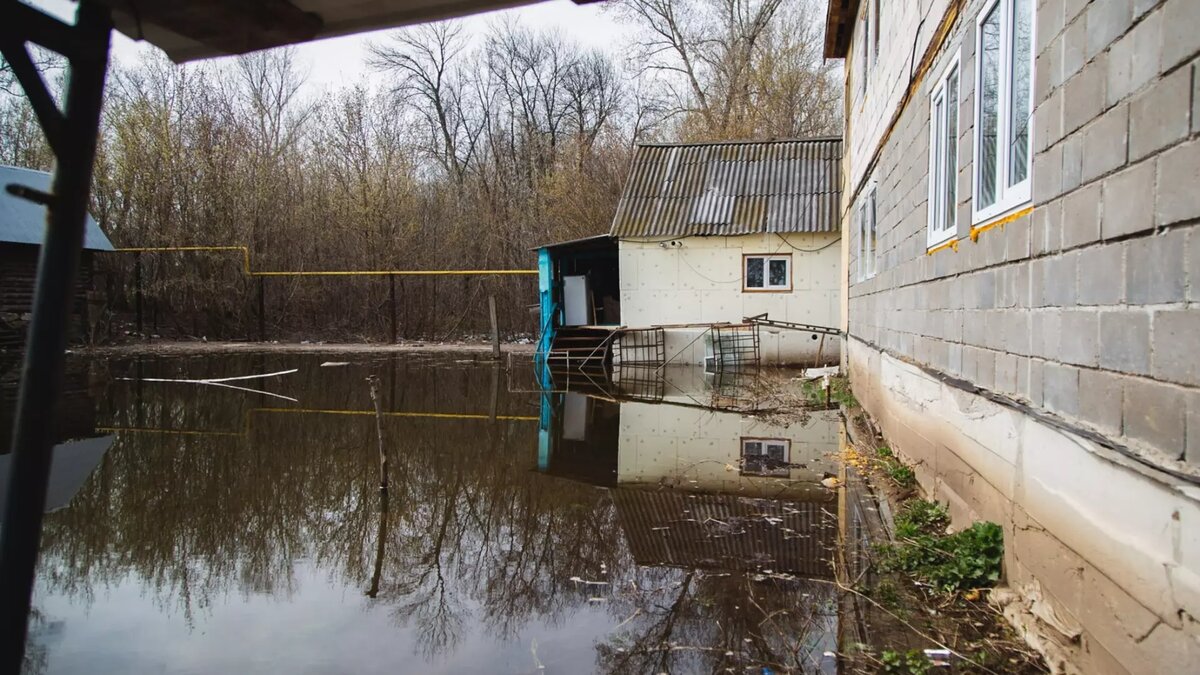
x,y
22,227
706,235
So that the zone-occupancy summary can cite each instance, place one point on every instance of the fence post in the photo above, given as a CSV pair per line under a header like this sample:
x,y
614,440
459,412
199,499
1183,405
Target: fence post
x,y
262,312
495,328
392,281
137,289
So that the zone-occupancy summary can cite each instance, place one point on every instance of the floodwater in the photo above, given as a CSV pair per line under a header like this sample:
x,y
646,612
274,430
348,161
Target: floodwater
x,y
206,529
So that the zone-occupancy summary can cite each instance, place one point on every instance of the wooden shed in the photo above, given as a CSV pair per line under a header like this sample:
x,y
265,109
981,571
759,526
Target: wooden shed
x,y
22,226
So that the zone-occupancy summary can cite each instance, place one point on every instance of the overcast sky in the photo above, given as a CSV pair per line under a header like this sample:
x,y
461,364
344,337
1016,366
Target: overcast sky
x,y
339,61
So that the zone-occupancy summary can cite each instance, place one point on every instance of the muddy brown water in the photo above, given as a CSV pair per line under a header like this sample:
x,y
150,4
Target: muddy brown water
x,y
202,529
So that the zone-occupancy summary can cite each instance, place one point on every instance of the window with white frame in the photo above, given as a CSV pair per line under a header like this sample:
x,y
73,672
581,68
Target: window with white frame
x,y
868,240
875,34
766,456
1003,107
943,157
865,58
767,272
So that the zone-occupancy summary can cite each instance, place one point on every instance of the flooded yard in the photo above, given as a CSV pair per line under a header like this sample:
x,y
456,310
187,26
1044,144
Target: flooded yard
x,y
201,528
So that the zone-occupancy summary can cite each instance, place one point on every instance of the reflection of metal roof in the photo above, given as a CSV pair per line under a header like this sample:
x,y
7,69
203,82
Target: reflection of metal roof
x,y
732,188
668,527
72,463
597,241
24,222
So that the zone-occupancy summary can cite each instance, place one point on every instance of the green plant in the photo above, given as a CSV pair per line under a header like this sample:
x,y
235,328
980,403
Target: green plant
x,y
902,475
921,516
911,662
964,560
884,452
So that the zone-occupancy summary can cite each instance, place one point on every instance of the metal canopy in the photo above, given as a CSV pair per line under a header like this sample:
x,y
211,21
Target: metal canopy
x,y
185,30
195,29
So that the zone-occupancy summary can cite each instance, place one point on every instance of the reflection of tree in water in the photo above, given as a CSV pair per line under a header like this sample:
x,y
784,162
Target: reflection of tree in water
x,y
471,533
699,621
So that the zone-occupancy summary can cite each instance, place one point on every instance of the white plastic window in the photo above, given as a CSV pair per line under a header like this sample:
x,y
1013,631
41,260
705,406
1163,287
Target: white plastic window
x,y
943,157
766,456
868,240
768,273
1003,107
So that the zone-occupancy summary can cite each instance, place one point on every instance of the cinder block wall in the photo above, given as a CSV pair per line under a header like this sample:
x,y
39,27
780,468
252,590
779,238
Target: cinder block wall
x,y
1086,308
1084,311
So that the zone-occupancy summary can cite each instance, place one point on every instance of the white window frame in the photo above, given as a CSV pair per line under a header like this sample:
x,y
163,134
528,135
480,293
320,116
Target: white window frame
x,y
868,255
866,48
1008,198
767,287
943,226
781,471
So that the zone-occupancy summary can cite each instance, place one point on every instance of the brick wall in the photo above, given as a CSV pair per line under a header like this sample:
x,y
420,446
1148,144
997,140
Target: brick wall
x,y
1085,308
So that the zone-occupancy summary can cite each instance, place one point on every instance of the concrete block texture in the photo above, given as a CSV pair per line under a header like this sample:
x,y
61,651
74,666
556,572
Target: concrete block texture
x,y
1106,21
1129,200
1101,397
1154,415
1180,40
1081,216
1102,275
1178,175
1160,115
1125,341
1154,271
1177,346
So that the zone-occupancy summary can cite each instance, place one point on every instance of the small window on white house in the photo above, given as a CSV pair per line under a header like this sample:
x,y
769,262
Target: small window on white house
x,y
766,456
943,157
1003,110
878,28
868,240
768,273
865,59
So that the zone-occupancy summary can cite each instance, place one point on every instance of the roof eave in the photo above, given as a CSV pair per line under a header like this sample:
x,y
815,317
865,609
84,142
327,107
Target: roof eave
x,y
839,22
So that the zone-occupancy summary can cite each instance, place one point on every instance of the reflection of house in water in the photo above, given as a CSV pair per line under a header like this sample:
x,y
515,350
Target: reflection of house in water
x,y
78,448
698,487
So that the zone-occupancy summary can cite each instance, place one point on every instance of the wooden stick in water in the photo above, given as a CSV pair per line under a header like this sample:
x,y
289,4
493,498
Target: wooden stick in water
x,y
373,380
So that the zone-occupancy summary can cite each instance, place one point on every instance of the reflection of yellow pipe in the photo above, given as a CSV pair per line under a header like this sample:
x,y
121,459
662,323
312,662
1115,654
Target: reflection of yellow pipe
x,y
330,273
314,411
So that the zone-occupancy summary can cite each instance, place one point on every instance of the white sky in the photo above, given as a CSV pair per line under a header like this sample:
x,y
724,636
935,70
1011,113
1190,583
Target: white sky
x,y
337,61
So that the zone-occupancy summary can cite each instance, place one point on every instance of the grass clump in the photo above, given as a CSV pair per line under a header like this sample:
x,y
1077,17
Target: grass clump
x,y
911,662
961,561
901,474
839,392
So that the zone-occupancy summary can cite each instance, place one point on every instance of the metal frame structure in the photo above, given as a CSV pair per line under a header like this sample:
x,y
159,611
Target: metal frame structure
x,y
72,134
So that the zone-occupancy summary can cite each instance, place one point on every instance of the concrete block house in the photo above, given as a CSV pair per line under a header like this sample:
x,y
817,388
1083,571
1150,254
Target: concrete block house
x,y
1020,204
706,235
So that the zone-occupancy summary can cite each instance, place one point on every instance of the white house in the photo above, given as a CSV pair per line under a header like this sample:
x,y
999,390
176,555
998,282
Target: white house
x,y
706,235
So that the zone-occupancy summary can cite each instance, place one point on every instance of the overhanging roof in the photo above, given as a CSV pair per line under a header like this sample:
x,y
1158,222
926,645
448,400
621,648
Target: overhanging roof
x,y
24,222
195,29
839,24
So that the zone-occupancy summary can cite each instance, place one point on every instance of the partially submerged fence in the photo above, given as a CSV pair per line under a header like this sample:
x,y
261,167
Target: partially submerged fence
x,y
430,323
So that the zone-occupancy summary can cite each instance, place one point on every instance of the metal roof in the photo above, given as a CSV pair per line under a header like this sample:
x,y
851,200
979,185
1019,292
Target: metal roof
x,y
197,29
727,532
732,188
24,222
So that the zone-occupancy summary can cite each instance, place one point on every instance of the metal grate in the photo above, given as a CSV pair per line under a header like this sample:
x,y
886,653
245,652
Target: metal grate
x,y
735,347
641,346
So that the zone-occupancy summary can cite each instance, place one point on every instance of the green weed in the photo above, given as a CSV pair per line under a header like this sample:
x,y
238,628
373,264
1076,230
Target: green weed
x,y
911,662
964,560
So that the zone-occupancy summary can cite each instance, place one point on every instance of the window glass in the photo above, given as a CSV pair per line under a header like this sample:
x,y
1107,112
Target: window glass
x,y
754,272
950,151
989,101
779,275
1022,50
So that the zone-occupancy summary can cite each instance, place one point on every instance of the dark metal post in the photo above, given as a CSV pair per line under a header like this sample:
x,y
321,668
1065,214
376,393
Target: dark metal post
x,y
495,328
137,289
392,281
72,134
262,312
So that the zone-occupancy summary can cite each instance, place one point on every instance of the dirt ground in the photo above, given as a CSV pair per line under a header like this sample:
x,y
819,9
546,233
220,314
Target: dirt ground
x,y
175,347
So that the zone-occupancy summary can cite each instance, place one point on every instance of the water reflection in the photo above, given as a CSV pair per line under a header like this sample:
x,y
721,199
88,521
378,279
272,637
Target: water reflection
x,y
231,531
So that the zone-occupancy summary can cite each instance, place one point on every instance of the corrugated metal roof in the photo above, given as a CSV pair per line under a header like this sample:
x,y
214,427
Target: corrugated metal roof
x,y
24,222
732,188
727,532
